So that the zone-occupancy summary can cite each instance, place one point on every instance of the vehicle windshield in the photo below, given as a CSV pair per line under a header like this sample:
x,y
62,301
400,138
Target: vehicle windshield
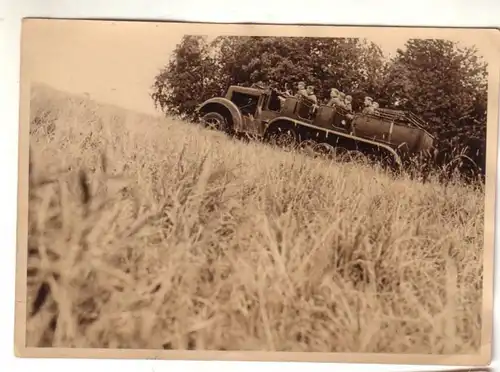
x,y
274,103
247,103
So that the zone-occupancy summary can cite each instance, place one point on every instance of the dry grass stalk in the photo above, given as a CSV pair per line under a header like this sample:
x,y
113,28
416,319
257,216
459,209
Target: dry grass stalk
x,y
150,233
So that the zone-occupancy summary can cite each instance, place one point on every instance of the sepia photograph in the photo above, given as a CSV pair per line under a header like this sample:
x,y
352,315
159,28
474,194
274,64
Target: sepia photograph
x,y
256,192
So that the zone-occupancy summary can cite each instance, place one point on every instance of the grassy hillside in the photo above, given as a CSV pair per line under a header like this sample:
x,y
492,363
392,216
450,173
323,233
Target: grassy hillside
x,y
152,233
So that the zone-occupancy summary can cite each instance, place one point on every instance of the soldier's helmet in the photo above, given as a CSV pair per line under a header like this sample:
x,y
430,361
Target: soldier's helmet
x,y
334,92
368,101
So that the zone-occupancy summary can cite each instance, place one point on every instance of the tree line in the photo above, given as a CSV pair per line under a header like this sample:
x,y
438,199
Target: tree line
x,y
439,80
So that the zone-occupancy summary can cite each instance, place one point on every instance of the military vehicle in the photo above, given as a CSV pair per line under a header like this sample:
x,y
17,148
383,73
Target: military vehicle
x,y
287,120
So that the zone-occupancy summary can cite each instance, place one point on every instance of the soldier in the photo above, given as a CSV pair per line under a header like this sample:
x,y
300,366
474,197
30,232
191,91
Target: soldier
x,y
287,90
344,101
348,103
334,98
301,89
311,96
368,109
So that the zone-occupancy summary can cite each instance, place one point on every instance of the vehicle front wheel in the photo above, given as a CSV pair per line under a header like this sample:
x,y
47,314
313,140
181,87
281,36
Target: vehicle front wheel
x,y
214,121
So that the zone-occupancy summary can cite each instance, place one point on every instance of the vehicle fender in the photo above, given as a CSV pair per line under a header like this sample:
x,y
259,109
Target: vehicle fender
x,y
218,104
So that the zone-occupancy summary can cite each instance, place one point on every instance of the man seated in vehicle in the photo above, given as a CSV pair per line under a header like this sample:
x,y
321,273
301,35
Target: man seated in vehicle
x,y
348,103
334,98
308,103
342,97
368,109
301,89
348,107
311,96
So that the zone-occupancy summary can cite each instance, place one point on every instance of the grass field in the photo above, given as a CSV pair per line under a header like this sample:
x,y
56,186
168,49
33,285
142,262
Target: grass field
x,y
152,233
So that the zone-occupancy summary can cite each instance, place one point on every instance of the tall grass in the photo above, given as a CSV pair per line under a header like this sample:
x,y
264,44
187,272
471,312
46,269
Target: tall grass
x,y
152,233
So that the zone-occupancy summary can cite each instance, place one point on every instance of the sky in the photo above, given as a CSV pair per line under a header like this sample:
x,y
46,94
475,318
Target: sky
x,y
115,62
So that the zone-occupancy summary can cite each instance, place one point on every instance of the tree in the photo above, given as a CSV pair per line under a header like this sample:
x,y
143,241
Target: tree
x,y
187,79
198,70
351,65
444,84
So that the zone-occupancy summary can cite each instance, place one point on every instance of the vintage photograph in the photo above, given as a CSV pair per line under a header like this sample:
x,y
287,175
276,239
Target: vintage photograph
x,y
291,192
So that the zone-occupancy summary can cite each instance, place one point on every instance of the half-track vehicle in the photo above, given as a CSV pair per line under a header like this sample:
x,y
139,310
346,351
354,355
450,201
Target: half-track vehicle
x,y
271,115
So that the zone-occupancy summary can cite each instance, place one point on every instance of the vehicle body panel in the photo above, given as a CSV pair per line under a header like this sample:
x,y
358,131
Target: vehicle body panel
x,y
392,130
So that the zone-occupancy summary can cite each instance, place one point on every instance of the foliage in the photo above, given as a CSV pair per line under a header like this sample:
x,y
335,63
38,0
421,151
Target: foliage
x,y
187,79
447,86
357,66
